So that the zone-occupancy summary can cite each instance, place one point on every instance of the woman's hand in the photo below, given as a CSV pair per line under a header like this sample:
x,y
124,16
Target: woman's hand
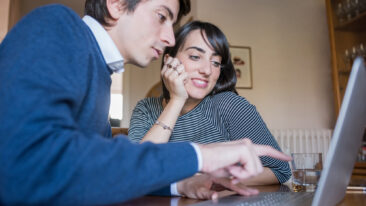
x,y
204,186
174,77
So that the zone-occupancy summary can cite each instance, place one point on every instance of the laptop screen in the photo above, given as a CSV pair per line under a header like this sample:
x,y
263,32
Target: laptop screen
x,y
346,139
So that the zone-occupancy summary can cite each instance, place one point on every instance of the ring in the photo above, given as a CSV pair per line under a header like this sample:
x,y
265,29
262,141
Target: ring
x,y
175,69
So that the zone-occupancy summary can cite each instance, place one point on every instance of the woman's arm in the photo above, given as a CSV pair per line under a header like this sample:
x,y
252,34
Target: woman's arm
x,y
173,75
267,177
159,133
243,121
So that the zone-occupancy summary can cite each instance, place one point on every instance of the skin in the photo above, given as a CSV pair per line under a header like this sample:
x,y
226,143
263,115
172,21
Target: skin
x,y
202,65
141,36
229,177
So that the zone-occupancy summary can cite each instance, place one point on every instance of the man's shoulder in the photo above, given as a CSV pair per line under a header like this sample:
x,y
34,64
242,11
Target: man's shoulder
x,y
54,10
53,23
54,17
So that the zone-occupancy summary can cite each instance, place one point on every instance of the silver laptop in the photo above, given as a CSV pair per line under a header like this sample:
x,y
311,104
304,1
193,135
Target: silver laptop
x,y
340,159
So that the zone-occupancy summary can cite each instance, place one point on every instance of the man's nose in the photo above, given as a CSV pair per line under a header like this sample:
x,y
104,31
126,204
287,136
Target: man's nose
x,y
167,36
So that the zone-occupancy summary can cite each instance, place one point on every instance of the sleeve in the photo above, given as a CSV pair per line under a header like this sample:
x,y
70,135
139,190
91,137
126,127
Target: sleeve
x,y
139,125
165,191
140,122
242,120
45,156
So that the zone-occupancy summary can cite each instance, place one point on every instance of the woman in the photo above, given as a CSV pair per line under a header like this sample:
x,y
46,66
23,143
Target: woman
x,y
200,103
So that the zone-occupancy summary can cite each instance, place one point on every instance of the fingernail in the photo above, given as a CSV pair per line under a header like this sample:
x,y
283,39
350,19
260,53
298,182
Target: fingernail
x,y
235,181
166,57
215,197
255,192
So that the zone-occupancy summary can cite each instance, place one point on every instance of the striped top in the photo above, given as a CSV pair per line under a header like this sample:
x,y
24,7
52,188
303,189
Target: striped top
x,y
219,118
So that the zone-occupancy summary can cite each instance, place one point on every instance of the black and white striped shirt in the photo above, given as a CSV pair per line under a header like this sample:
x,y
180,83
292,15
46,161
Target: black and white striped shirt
x,y
219,118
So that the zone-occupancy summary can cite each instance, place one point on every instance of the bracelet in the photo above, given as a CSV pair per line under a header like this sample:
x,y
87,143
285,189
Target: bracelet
x,y
164,126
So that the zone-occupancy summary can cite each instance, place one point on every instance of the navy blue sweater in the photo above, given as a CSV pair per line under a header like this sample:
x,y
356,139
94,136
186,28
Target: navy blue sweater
x,y
55,139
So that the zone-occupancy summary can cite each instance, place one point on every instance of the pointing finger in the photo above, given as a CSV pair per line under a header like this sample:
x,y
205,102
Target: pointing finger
x,y
265,150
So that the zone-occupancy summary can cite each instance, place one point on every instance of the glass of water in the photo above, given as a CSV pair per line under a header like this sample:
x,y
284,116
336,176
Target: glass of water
x,y
306,170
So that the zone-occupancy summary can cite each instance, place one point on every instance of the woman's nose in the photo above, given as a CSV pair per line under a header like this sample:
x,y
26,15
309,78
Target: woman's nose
x,y
205,68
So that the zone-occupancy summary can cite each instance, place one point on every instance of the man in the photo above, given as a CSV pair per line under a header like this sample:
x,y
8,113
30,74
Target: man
x,y
55,139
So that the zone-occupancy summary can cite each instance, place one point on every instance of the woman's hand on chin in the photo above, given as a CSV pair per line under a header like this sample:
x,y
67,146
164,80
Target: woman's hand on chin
x,y
174,77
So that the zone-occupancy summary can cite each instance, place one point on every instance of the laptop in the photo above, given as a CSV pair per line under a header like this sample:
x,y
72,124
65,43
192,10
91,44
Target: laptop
x,y
341,157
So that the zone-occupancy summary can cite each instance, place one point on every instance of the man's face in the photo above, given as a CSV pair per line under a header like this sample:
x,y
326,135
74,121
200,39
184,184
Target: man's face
x,y
142,35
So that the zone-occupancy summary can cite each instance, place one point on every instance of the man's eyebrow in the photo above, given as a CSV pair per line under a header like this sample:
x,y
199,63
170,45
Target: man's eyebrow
x,y
170,13
196,48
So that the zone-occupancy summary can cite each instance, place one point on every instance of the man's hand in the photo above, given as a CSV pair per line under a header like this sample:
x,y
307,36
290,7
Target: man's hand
x,y
238,160
204,186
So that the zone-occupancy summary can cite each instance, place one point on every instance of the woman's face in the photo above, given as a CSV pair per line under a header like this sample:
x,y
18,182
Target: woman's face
x,y
202,65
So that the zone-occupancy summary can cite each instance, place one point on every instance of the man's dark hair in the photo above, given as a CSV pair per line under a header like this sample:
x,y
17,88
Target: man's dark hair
x,y
217,40
99,11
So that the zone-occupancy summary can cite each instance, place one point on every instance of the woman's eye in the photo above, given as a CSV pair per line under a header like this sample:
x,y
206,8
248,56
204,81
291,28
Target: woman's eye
x,y
162,18
193,57
216,64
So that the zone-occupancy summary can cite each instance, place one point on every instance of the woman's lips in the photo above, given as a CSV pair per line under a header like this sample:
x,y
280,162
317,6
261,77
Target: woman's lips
x,y
200,83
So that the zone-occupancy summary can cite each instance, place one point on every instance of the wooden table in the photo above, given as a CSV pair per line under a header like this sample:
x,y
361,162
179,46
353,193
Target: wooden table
x,y
351,199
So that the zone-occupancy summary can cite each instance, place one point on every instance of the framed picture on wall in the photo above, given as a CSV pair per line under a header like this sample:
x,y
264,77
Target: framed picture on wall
x,y
241,57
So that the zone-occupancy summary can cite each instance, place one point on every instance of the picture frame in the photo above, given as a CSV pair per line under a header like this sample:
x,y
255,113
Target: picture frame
x,y
242,61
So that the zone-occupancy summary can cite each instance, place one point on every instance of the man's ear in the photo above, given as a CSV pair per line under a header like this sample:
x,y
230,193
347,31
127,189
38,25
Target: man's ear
x,y
115,8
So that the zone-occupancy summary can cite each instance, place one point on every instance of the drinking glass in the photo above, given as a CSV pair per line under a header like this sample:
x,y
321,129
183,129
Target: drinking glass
x,y
306,171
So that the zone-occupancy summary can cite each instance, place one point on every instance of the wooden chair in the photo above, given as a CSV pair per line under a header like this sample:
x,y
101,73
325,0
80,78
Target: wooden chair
x,y
155,91
119,130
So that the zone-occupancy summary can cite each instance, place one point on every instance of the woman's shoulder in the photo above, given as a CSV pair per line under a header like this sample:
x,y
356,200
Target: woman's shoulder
x,y
229,103
149,103
229,98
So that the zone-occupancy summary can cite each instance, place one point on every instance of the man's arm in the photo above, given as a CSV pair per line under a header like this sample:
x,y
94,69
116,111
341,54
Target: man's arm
x,y
247,169
266,177
48,155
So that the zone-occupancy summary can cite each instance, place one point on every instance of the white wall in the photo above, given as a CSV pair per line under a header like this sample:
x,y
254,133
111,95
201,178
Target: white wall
x,y
290,57
136,83
4,18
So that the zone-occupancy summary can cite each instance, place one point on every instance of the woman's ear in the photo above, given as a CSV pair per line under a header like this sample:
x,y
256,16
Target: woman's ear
x,y
115,8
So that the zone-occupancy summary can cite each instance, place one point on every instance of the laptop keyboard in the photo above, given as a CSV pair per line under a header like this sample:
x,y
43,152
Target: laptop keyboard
x,y
265,198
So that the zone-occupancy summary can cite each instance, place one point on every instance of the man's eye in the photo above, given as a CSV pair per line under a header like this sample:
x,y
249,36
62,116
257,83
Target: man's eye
x,y
162,18
195,58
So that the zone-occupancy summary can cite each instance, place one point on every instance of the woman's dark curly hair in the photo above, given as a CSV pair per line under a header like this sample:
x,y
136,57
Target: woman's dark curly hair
x,y
217,40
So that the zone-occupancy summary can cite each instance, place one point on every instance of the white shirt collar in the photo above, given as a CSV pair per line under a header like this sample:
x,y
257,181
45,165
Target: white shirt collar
x,y
110,53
